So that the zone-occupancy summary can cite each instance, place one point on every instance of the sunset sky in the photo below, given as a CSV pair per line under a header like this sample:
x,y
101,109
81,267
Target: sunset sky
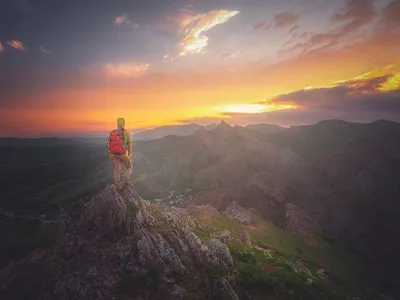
x,y
76,65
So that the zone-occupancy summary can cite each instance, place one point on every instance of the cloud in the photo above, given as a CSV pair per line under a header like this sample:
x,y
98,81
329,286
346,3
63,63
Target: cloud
x,y
16,44
177,19
293,29
391,16
259,25
194,40
280,20
371,96
372,91
285,19
356,14
229,55
1,47
44,50
125,70
122,19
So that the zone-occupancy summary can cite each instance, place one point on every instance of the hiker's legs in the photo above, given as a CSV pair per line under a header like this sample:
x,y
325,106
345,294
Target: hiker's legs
x,y
117,170
128,168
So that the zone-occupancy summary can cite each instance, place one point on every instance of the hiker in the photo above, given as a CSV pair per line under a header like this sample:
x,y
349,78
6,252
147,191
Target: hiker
x,y
120,151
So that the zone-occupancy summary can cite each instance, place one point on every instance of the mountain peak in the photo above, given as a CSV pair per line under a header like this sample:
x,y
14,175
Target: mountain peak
x,y
223,126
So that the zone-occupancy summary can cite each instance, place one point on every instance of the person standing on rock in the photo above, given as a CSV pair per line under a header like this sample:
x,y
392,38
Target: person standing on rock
x,y
120,151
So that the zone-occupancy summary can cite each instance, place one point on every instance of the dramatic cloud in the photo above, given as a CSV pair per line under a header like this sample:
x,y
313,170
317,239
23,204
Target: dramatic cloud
x,y
16,44
280,20
194,40
1,47
355,16
44,50
125,70
123,19
369,92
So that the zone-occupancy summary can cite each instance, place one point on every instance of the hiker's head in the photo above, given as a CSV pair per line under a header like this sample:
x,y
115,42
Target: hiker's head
x,y
121,122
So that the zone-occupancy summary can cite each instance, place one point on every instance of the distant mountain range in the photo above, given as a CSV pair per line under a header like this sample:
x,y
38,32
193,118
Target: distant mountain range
x,y
157,132
178,130
343,175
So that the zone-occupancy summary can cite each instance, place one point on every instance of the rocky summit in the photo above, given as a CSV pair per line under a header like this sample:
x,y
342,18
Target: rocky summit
x,y
123,247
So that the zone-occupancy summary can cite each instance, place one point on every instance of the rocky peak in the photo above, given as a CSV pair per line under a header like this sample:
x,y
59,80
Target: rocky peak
x,y
223,126
120,236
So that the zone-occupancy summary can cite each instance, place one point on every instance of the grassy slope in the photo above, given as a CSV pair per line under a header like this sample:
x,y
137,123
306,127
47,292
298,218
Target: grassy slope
x,y
268,268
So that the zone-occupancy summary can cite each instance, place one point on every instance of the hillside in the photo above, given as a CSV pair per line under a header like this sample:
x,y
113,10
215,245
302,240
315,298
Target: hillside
x,y
344,175
120,246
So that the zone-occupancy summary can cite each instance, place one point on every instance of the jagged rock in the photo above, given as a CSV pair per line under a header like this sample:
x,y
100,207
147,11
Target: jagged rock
x,y
196,247
321,273
219,253
168,256
106,211
179,292
238,213
224,236
224,290
298,222
299,267
245,238
89,259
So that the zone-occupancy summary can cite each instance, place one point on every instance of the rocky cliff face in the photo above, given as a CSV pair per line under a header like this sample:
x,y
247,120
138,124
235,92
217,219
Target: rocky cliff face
x,y
121,242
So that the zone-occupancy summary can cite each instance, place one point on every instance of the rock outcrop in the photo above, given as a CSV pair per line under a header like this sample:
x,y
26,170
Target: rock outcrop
x,y
235,211
298,222
123,246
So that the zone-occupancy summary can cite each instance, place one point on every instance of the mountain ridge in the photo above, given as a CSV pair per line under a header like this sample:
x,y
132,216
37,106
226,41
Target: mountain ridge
x,y
123,246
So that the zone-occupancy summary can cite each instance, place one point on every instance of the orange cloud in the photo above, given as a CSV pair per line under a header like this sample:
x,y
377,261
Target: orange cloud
x,y
376,90
121,19
16,44
125,70
1,47
194,40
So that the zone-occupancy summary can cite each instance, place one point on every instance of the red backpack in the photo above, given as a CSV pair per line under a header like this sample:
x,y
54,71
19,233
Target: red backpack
x,y
116,144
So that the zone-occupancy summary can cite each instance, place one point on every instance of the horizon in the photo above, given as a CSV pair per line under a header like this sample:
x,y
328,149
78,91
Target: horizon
x,y
75,67
104,134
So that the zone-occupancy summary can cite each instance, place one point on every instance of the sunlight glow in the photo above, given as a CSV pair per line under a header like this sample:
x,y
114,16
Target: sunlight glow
x,y
252,108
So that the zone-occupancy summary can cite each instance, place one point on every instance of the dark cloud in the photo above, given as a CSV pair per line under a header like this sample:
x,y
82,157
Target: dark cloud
x,y
350,96
391,16
293,29
356,15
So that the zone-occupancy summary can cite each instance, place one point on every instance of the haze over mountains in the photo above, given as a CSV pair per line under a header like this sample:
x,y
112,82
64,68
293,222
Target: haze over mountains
x,y
344,176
